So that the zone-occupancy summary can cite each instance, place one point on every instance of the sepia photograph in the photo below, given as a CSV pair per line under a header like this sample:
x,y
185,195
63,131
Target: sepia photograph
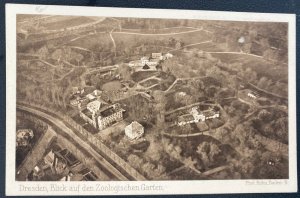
x,y
116,98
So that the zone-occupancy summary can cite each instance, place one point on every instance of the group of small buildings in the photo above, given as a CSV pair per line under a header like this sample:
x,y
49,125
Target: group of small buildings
x,y
23,137
95,109
252,95
64,166
100,113
84,95
195,115
147,63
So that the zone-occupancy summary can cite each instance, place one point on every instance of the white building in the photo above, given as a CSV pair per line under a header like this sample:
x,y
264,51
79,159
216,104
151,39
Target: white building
x,y
145,60
252,95
198,116
94,106
168,55
134,131
157,56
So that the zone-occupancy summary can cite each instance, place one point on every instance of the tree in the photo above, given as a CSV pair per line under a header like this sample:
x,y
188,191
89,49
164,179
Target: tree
x,y
214,152
78,57
125,72
43,52
159,107
135,161
56,55
250,75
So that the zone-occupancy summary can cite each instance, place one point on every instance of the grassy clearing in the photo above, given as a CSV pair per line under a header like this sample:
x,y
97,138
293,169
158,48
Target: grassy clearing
x,y
188,38
158,31
89,41
209,47
69,22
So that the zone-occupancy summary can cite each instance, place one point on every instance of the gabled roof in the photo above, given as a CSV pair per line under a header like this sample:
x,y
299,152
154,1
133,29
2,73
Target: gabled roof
x,y
94,105
135,126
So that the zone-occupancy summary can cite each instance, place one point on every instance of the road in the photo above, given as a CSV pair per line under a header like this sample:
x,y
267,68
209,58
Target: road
x,y
193,44
162,34
67,130
113,40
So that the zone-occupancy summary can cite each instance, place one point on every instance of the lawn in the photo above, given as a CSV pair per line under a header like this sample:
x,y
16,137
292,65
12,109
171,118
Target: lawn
x,y
68,22
89,41
208,47
131,40
158,31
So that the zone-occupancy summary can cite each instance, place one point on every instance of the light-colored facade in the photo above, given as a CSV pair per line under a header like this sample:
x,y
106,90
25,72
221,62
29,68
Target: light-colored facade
x,y
110,115
157,56
134,131
252,95
94,106
196,116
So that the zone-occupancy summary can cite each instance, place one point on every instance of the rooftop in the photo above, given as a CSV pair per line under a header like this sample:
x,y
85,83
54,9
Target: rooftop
x,y
94,105
185,118
109,110
135,126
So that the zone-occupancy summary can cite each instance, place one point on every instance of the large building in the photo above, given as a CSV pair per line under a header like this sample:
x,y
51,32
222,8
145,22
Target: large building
x,y
196,115
134,131
157,56
100,115
110,115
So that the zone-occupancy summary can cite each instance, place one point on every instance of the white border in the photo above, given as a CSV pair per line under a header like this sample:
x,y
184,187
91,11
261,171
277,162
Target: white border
x,y
169,187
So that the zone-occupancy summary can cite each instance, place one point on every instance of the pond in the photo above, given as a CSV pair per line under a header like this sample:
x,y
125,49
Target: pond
x,y
112,85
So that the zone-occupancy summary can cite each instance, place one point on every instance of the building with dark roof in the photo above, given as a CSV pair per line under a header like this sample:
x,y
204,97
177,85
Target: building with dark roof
x,y
109,115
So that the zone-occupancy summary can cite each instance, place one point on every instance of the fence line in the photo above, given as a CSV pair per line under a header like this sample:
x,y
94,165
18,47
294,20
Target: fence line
x,y
92,140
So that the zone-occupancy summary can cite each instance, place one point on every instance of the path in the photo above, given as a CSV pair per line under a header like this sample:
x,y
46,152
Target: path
x,y
207,132
81,48
59,123
163,34
188,106
208,41
178,79
46,63
215,170
113,40
248,54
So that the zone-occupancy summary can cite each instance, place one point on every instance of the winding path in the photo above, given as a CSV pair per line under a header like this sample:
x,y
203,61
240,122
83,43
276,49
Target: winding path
x,y
162,34
113,40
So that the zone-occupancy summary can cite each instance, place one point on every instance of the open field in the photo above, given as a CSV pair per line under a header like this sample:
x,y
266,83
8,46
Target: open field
x,y
187,38
74,21
209,47
159,31
89,41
